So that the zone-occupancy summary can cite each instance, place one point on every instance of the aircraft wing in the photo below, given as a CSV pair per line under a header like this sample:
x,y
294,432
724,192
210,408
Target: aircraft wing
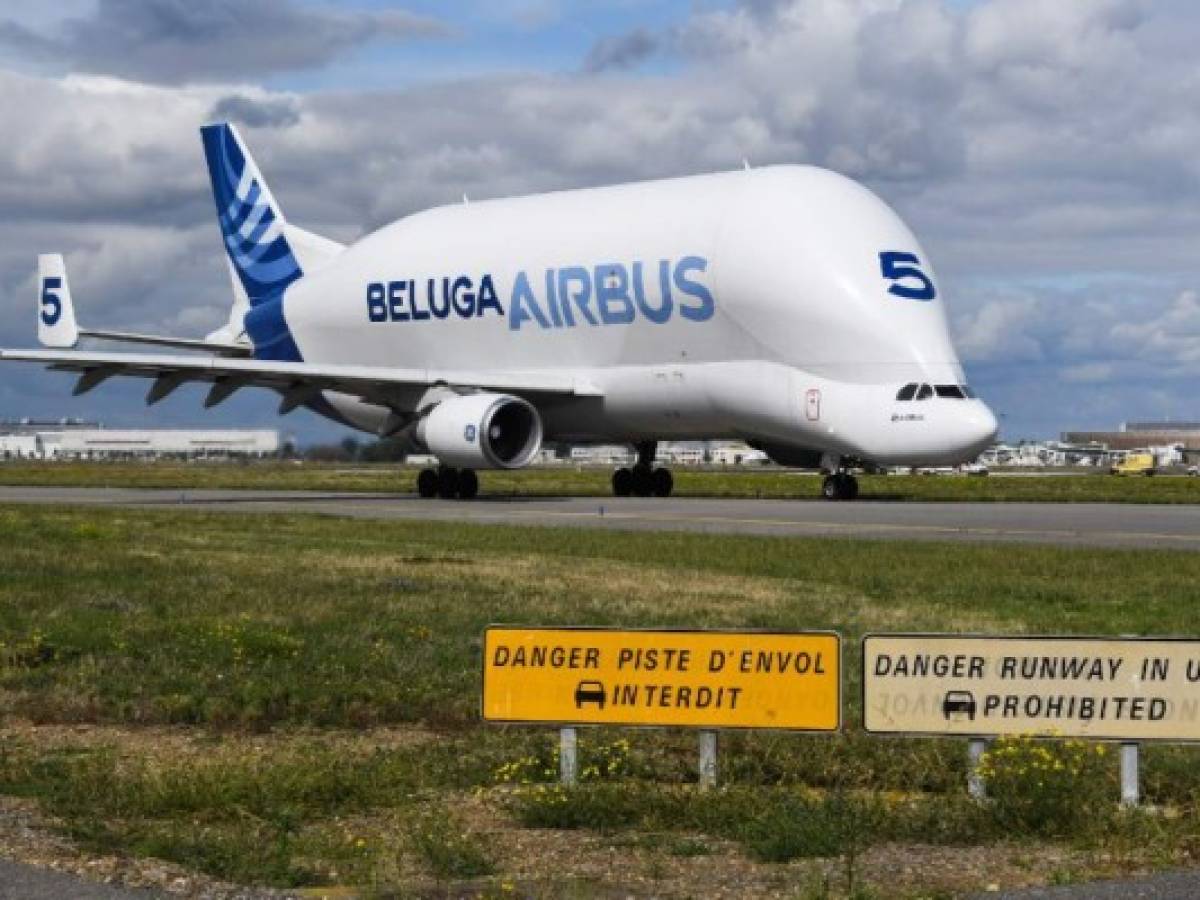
x,y
126,337
298,382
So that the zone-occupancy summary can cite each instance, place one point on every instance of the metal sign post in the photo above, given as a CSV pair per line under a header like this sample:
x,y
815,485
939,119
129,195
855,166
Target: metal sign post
x,y
568,761
976,747
1130,793
708,759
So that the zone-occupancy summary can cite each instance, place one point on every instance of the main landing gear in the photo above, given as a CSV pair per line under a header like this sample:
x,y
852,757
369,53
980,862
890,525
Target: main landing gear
x,y
643,480
448,483
839,486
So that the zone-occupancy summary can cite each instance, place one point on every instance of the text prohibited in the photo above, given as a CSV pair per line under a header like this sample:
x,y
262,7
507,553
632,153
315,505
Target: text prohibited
x,y
1129,689
700,679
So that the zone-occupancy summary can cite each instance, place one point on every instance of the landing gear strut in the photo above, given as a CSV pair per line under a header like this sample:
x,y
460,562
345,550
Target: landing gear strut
x,y
447,482
643,480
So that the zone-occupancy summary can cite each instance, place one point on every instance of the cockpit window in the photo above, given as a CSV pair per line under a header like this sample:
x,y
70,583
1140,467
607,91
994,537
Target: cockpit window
x,y
907,392
924,392
950,391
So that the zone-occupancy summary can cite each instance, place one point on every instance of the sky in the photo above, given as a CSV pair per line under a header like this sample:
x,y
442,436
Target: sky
x,y
1047,155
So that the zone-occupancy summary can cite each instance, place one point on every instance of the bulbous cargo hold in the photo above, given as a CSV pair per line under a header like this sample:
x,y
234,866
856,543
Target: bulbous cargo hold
x,y
779,264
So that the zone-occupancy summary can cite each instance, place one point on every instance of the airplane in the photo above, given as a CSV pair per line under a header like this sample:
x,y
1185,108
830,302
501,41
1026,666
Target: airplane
x,y
786,306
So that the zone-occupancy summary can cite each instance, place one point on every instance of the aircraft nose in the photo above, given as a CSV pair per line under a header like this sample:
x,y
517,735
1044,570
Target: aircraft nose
x,y
979,429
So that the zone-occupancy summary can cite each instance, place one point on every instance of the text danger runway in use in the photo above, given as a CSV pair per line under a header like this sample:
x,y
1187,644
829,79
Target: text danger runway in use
x,y
1134,689
700,679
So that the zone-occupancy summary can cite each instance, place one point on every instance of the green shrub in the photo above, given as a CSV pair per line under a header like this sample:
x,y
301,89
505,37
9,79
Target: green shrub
x,y
602,807
795,827
595,761
448,849
1049,788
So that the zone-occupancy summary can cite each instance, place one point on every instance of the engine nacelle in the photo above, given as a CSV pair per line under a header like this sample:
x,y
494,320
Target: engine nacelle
x,y
482,431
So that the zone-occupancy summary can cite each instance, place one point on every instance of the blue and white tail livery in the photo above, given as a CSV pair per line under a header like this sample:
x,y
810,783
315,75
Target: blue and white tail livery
x,y
252,224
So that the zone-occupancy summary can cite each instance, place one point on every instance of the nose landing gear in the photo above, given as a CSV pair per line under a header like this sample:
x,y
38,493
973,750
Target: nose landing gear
x,y
643,480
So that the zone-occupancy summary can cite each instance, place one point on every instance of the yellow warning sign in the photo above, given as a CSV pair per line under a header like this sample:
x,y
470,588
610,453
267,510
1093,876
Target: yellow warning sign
x,y
700,679
1133,689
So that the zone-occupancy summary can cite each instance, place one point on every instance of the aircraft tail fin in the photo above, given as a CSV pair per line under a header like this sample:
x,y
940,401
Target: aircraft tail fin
x,y
56,313
266,253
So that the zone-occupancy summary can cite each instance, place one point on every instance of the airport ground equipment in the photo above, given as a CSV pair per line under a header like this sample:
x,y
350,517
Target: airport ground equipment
x,y
785,306
1135,464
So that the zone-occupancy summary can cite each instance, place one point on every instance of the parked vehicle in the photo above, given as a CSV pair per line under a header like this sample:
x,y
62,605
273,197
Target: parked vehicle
x,y
1134,464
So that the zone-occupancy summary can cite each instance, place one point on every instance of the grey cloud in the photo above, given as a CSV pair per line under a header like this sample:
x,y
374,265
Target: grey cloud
x,y
1003,328
1171,336
177,41
279,112
623,51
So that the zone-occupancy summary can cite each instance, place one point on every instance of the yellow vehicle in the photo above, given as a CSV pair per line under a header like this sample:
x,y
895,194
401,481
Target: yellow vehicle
x,y
1134,464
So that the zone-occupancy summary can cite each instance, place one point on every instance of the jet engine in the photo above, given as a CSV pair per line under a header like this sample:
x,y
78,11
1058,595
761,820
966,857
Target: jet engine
x,y
482,431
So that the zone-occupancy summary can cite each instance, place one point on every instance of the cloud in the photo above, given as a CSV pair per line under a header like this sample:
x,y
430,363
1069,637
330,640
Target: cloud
x,y
1088,373
1171,338
276,112
1000,329
178,41
623,51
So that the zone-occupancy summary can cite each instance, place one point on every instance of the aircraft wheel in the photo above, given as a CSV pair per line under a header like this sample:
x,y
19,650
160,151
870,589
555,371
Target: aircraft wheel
x,y
447,483
468,484
851,488
427,483
830,489
839,486
622,483
643,481
663,482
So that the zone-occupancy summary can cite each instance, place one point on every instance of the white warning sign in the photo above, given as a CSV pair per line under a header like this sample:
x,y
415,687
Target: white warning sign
x,y
1134,689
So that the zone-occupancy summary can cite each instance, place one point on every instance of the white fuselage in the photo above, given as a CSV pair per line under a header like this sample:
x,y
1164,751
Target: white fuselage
x,y
750,304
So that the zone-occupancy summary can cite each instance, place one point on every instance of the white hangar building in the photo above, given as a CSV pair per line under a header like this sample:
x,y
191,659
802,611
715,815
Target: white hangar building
x,y
74,440
113,442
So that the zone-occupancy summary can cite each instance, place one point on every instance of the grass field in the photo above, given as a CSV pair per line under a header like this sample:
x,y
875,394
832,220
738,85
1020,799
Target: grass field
x,y
291,700
767,483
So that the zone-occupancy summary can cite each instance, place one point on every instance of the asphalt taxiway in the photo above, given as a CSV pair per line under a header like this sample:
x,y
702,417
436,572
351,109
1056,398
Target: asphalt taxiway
x,y
1080,524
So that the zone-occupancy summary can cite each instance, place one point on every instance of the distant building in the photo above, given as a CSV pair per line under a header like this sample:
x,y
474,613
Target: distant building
x,y
1181,437
199,444
603,455
1039,454
737,453
20,446
73,439
681,453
